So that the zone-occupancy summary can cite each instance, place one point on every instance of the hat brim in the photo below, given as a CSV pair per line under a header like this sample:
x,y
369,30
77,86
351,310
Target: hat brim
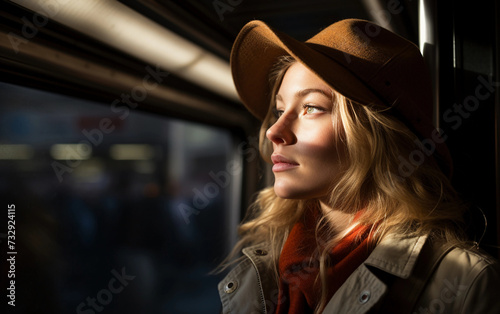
x,y
258,47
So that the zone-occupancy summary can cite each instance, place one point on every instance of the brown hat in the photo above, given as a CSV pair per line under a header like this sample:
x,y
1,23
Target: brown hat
x,y
361,60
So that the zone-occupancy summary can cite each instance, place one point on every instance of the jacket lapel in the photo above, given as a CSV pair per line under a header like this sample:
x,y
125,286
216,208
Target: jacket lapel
x,y
365,288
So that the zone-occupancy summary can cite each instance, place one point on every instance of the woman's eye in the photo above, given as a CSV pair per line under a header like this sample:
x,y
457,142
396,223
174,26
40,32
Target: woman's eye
x,y
277,112
308,109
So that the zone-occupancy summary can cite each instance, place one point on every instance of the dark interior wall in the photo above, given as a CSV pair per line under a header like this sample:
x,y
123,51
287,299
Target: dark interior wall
x,y
468,106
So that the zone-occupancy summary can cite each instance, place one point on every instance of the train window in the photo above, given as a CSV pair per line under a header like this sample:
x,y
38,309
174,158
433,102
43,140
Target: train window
x,y
115,210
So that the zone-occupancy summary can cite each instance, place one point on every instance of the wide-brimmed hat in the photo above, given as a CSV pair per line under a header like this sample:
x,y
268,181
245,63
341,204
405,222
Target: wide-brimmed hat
x,y
359,59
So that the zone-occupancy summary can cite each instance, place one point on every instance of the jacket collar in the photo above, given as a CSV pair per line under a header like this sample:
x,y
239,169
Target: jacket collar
x,y
397,255
364,289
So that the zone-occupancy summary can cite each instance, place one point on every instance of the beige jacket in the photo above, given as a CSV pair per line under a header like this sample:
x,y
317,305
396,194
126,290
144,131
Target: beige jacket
x,y
402,275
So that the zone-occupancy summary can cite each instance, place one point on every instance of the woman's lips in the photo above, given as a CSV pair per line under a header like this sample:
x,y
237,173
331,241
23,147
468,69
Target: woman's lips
x,y
282,163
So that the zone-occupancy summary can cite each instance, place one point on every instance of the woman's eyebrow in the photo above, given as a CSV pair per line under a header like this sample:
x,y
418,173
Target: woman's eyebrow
x,y
307,91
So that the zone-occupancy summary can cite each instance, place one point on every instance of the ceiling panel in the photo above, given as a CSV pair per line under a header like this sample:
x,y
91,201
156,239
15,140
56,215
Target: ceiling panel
x,y
214,24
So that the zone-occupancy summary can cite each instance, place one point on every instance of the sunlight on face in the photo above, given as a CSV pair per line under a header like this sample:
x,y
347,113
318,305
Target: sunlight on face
x,y
307,153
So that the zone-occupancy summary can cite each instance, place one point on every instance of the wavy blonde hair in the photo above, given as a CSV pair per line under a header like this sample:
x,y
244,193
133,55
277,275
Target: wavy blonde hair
x,y
415,203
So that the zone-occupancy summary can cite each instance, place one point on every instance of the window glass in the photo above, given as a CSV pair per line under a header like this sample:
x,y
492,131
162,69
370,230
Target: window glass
x,y
116,210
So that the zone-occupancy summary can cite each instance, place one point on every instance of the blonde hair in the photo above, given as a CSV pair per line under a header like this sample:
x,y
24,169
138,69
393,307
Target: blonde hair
x,y
422,201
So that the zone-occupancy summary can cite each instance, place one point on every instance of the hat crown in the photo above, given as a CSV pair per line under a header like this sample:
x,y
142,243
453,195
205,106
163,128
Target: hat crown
x,y
361,39
387,63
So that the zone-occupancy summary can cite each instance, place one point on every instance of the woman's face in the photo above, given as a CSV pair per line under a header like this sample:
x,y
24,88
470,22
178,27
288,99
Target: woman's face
x,y
308,155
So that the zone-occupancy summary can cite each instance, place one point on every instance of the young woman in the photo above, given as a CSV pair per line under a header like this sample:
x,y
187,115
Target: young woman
x,y
361,217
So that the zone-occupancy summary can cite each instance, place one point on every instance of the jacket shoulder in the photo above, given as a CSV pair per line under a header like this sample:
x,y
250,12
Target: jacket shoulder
x,y
465,281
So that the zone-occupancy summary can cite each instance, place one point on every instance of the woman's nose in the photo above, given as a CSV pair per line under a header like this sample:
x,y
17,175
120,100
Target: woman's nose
x,y
281,132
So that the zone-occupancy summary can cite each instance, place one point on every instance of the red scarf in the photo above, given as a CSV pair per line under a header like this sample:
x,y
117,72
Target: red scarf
x,y
300,287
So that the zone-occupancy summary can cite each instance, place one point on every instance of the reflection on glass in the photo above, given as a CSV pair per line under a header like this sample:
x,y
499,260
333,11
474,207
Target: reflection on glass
x,y
129,218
